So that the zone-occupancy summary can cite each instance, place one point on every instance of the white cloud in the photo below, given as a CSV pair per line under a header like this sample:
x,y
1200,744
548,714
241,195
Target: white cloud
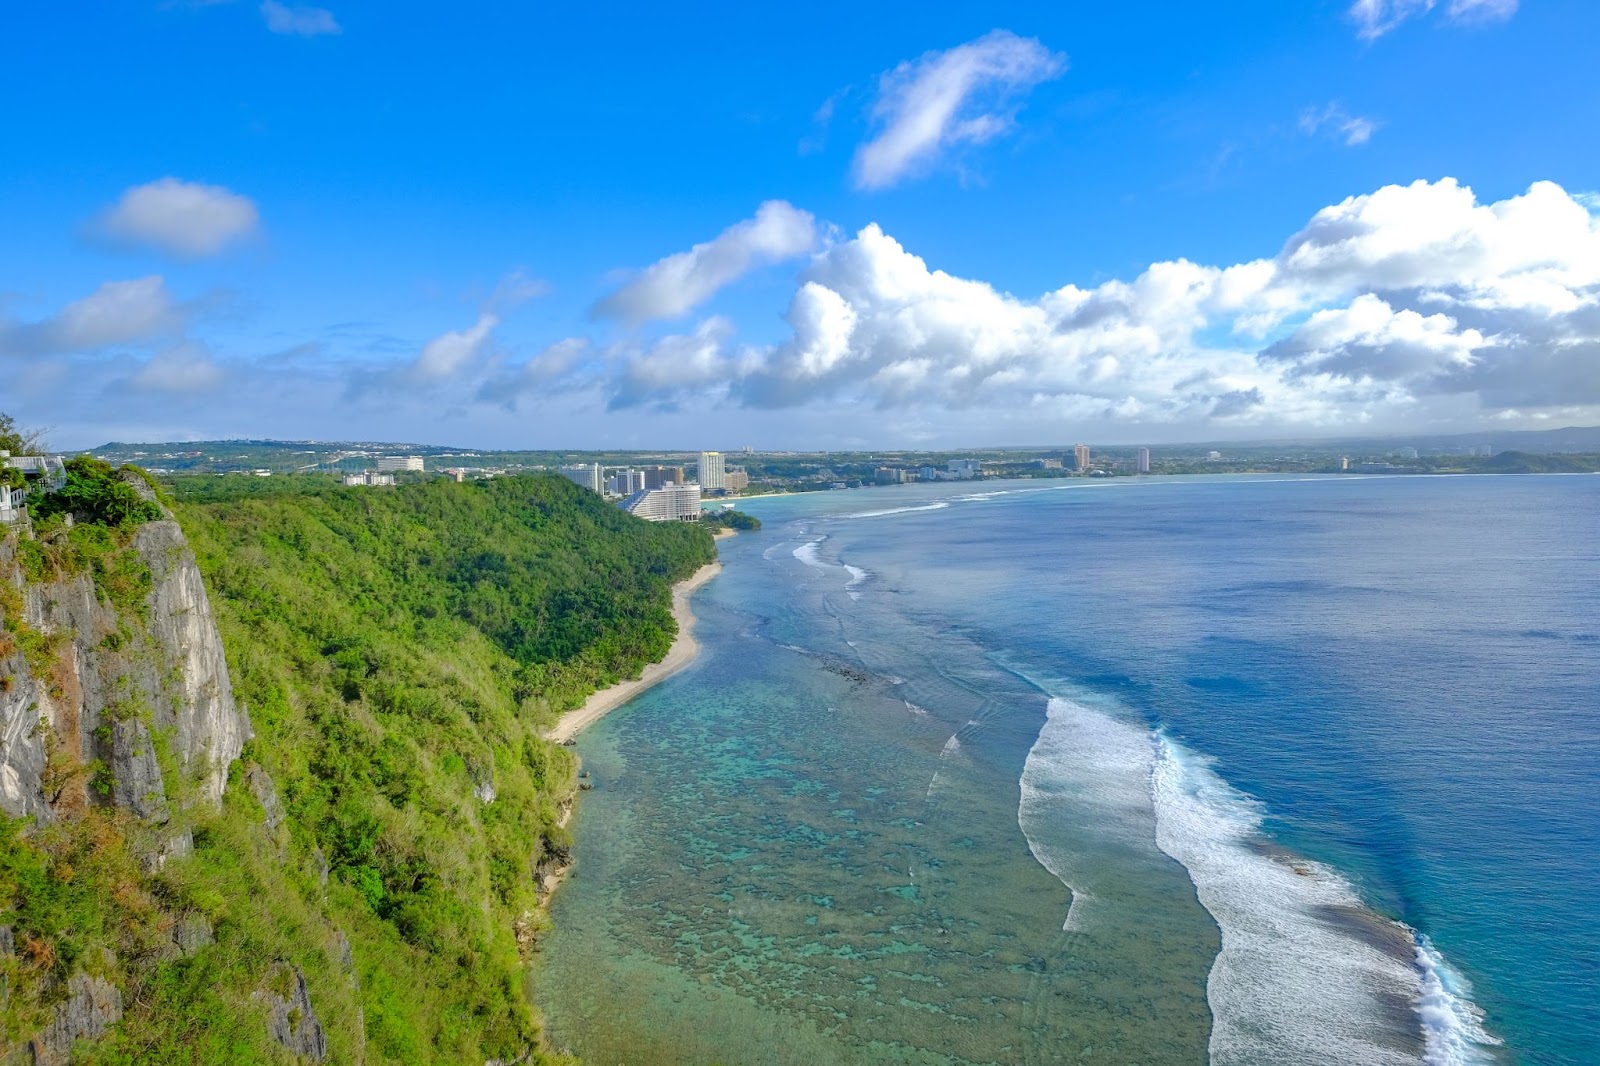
x,y
1354,130
1481,10
680,365
681,282
946,100
183,218
184,368
118,312
1374,18
448,354
1370,340
455,353
299,20
1413,301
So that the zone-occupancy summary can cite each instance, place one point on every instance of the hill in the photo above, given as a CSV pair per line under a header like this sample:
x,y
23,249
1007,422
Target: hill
x,y
364,881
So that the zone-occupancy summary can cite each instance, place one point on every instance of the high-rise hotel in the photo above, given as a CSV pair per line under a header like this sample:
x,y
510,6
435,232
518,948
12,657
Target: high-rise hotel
x,y
712,473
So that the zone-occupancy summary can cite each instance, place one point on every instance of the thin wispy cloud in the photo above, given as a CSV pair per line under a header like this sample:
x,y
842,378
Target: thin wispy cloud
x,y
187,367
1374,18
944,101
455,352
679,283
186,219
299,20
1333,119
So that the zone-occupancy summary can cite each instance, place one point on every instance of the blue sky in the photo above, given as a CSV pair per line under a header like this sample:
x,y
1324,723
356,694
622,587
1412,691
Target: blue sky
x,y
458,224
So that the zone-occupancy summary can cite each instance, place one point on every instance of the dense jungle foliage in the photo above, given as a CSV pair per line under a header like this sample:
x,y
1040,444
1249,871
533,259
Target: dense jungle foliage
x,y
400,651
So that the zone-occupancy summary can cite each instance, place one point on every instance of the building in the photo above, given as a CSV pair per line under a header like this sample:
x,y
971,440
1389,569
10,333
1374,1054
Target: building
x,y
1080,457
962,469
50,470
391,463
889,475
1047,464
712,474
10,509
657,476
1142,456
369,477
670,503
589,475
737,479
930,473
626,482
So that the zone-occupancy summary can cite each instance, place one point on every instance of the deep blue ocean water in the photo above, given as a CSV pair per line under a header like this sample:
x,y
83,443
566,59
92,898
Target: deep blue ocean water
x,y
1240,770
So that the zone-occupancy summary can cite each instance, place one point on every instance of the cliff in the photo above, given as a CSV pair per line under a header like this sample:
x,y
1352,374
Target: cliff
x,y
356,871
118,729
112,687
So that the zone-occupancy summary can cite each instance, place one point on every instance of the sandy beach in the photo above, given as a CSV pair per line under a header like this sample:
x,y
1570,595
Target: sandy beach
x,y
681,654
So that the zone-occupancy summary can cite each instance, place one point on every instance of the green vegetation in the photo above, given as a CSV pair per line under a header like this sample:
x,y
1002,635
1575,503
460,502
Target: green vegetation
x,y
397,650
401,653
728,518
96,493
17,441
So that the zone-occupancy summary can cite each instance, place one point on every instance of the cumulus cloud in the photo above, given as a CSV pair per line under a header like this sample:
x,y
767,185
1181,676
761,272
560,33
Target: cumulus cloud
x,y
299,20
947,100
454,350
118,312
681,282
183,218
1414,301
1374,18
1333,119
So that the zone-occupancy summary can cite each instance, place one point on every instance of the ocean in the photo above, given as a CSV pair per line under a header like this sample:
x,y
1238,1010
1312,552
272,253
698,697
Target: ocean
x,y
1241,770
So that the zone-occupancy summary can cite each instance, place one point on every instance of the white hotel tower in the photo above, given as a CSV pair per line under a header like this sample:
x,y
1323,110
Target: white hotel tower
x,y
712,472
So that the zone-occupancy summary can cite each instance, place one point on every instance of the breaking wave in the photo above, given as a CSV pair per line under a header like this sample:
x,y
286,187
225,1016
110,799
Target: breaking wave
x,y
1306,973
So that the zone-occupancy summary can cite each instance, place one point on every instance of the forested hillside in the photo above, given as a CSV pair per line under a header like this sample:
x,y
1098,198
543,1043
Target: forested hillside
x,y
399,651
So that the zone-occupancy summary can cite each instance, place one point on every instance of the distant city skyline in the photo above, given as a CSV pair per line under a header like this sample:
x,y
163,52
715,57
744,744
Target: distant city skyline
x,y
973,226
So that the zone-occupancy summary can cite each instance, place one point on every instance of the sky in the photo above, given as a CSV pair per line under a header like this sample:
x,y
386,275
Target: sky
x,y
831,226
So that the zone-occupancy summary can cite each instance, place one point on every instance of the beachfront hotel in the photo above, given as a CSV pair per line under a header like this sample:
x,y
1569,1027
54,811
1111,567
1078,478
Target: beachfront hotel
x,y
712,473
670,503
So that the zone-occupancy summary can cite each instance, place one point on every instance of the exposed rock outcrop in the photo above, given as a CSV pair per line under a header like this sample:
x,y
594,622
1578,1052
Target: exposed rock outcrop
x,y
266,793
92,1006
120,684
211,728
294,1024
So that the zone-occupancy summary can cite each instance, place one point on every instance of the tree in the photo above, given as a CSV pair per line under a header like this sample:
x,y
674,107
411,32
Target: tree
x,y
94,492
17,441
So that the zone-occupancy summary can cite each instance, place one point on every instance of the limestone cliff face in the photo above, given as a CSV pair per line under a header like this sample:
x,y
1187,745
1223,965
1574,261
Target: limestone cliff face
x,y
210,729
129,698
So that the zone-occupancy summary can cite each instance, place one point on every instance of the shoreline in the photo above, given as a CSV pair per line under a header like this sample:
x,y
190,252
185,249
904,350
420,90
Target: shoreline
x,y
682,653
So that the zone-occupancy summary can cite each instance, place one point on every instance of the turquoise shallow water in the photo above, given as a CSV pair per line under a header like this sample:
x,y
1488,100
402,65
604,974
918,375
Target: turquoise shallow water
x,y
1126,772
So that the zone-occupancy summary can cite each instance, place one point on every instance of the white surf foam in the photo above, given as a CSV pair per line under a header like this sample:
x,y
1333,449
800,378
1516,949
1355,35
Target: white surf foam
x,y
857,575
807,553
936,506
1289,984
1452,1025
1094,770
